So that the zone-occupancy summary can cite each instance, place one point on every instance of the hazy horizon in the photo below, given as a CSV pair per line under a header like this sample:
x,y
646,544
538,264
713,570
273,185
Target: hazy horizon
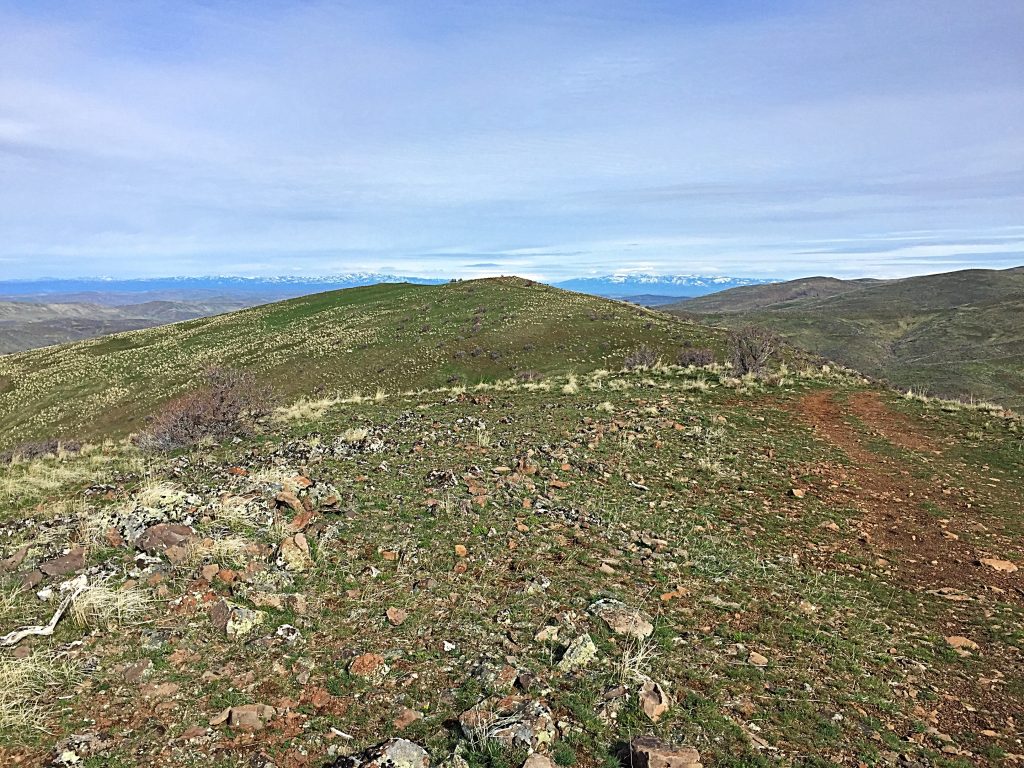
x,y
549,140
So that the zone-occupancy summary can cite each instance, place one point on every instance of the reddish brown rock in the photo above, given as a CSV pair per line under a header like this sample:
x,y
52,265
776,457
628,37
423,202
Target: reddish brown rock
x,y
12,562
651,752
366,665
65,564
162,536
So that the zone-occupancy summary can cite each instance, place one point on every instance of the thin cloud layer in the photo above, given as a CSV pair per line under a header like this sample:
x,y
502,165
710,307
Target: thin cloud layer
x,y
550,139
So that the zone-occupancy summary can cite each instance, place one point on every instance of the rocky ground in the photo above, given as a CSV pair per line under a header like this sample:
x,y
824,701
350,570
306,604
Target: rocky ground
x,y
666,568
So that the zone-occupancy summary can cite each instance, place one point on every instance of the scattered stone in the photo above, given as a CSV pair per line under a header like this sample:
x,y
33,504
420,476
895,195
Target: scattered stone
x,y
65,564
797,493
235,620
757,659
538,761
245,717
653,700
133,673
293,554
396,753
12,562
367,665
651,752
396,616
962,644
406,718
160,537
621,619
514,721
1003,566
580,653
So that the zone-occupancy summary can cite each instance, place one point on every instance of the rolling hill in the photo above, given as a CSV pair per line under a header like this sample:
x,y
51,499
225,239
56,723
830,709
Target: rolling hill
x,y
957,334
386,336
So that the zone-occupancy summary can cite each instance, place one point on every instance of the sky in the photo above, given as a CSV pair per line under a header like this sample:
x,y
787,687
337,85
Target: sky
x,y
548,139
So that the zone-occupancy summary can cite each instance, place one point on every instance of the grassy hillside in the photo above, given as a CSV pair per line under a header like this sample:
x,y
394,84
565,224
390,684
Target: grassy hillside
x,y
812,572
396,336
955,334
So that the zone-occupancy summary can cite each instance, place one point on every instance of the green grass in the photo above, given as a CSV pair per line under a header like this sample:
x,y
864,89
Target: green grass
x,y
391,337
745,554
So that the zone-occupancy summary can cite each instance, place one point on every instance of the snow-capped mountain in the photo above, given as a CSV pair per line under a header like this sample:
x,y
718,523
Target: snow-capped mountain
x,y
650,289
632,284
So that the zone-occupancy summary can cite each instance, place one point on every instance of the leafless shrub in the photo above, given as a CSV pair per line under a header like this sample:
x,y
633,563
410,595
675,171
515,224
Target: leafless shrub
x,y
641,357
227,405
697,356
752,349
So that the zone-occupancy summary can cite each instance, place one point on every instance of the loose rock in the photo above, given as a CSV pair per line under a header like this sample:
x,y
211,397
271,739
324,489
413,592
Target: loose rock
x,y
650,752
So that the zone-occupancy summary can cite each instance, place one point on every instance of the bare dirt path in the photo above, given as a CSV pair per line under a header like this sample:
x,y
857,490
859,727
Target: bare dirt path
x,y
918,524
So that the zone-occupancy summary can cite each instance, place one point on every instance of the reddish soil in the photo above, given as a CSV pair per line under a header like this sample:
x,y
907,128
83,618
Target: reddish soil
x,y
923,550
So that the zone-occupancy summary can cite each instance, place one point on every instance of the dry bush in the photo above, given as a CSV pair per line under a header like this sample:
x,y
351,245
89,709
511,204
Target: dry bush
x,y
227,405
103,606
696,356
27,691
752,349
641,357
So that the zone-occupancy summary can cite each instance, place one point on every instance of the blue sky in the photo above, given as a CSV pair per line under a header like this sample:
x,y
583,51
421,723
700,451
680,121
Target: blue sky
x,y
540,138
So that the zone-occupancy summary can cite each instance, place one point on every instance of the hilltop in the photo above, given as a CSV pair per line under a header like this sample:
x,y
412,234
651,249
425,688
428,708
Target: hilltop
x,y
761,570
509,543
388,336
957,334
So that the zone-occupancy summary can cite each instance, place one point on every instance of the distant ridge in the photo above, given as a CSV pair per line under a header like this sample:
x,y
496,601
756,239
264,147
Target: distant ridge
x,y
956,334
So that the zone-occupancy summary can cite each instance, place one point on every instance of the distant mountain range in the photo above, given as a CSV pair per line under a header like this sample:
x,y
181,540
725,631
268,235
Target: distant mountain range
x,y
36,313
640,286
112,292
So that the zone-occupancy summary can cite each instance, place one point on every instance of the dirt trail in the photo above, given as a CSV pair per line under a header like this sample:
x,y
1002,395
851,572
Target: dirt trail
x,y
897,523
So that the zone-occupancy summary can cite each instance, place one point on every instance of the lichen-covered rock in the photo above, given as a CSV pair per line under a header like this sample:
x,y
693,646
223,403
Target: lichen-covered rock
x,y
621,619
235,620
580,653
514,721
396,753
293,554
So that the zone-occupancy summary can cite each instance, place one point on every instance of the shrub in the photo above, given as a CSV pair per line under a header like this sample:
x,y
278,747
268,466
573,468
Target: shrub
x,y
641,357
752,349
227,405
698,356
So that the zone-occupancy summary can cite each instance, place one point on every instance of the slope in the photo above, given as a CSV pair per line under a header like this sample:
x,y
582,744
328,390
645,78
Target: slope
x,y
958,334
809,571
389,336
